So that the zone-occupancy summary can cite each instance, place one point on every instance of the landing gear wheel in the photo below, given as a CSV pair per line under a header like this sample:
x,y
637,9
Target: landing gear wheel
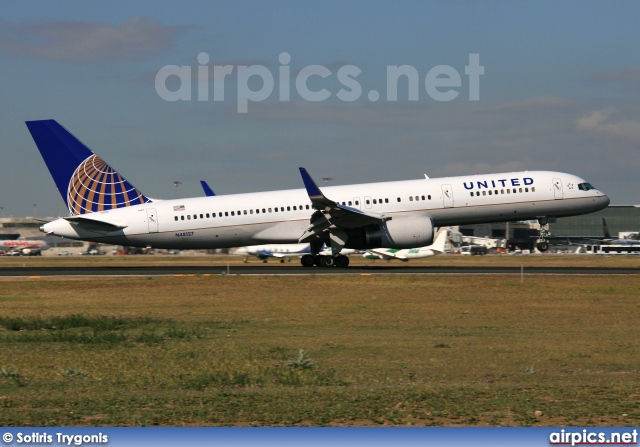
x,y
342,261
307,261
542,246
327,261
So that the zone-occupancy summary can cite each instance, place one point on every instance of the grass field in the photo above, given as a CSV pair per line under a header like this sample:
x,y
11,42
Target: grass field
x,y
550,260
321,350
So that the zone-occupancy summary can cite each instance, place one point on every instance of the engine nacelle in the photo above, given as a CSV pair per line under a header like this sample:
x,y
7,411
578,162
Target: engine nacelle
x,y
398,233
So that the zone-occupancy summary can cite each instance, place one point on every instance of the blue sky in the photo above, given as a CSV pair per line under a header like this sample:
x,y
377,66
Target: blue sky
x,y
560,91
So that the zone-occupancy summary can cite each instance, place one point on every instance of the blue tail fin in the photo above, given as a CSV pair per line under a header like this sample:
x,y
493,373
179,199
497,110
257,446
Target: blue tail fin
x,y
87,184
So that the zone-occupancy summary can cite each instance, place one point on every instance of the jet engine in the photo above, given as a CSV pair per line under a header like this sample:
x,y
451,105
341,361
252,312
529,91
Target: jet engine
x,y
397,233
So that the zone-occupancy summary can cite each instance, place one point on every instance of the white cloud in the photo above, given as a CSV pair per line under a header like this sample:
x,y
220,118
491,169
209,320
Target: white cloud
x,y
601,123
134,38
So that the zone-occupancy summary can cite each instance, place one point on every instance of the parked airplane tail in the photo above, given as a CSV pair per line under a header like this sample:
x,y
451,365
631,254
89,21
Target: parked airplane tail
x,y
87,184
605,229
439,244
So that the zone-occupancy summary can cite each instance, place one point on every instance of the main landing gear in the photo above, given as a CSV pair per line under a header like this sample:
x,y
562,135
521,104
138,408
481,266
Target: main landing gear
x,y
340,261
542,244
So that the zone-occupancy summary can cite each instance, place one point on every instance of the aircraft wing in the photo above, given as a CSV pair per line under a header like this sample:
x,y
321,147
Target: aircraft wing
x,y
335,216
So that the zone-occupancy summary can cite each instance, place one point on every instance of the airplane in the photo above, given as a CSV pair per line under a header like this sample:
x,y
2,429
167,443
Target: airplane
x,y
280,251
405,254
21,244
105,208
631,239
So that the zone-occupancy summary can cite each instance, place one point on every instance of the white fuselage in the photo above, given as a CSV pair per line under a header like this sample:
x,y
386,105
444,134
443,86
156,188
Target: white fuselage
x,y
250,219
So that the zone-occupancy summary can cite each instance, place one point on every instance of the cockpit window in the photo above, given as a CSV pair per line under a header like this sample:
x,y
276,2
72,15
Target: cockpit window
x,y
585,186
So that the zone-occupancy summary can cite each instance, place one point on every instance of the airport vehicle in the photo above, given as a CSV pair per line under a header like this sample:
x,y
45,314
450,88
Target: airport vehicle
x,y
473,250
405,254
105,207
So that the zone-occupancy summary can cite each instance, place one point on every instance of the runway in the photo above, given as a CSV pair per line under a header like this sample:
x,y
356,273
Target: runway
x,y
298,270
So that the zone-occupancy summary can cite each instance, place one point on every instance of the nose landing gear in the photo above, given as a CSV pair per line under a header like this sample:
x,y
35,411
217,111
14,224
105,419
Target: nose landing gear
x,y
542,244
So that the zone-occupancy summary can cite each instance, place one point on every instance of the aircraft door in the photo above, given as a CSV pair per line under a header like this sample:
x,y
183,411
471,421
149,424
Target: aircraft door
x,y
447,196
152,220
558,193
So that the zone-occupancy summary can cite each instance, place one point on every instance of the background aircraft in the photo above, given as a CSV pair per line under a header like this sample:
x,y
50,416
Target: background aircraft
x,y
404,255
280,251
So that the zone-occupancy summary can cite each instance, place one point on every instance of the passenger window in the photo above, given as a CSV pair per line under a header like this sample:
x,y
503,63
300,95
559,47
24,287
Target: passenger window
x,y
213,214
201,216
195,216
307,206
520,189
188,216
175,217
269,209
422,197
410,198
533,189
417,198
233,213
367,202
288,208
374,201
471,193
526,190
295,208
386,200
207,215
495,192
399,199
484,193
489,192
275,209
226,213
181,217
502,191
357,202
250,211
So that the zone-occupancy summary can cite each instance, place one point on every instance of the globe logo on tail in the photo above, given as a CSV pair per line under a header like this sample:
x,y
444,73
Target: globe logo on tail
x,y
95,186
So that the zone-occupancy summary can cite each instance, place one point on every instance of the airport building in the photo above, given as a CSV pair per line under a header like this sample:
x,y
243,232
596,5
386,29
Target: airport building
x,y
619,218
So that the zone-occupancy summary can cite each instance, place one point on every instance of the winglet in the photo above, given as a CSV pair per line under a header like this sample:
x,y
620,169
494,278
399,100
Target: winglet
x,y
312,189
207,190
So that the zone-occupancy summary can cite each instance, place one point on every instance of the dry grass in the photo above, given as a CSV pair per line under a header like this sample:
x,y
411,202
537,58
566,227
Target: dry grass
x,y
547,260
423,350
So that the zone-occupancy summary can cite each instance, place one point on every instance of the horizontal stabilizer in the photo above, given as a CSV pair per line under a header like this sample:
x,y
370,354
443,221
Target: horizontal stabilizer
x,y
94,225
